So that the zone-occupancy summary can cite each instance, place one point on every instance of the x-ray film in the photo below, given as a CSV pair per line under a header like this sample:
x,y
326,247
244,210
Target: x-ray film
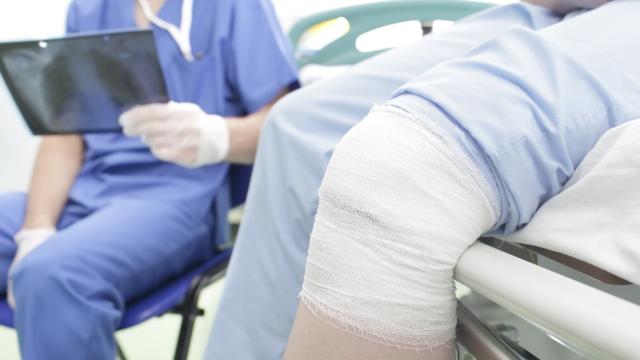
x,y
81,84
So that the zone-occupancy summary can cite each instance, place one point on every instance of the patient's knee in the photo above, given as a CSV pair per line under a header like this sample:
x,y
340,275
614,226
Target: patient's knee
x,y
396,211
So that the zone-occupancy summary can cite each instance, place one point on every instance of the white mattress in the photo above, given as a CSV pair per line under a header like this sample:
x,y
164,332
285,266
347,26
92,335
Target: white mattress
x,y
596,218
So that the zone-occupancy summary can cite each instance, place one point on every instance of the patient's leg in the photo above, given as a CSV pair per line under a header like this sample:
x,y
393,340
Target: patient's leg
x,y
394,218
399,204
258,306
337,344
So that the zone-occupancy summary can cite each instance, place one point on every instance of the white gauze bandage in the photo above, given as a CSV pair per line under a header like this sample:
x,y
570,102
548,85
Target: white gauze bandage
x,y
399,204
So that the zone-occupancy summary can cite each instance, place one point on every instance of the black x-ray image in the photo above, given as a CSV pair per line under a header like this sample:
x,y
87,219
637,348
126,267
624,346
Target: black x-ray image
x,y
81,84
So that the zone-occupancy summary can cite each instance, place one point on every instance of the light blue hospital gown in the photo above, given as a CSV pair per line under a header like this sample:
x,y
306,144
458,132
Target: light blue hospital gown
x,y
132,221
526,103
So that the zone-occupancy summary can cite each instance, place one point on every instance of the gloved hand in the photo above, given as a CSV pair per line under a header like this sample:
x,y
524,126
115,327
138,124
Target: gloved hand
x,y
27,241
181,133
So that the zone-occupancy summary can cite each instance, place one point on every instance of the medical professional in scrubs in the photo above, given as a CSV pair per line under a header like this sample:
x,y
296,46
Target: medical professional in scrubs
x,y
106,219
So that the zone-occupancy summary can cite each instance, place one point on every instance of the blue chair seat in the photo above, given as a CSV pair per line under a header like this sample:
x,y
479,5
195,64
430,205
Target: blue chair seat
x,y
160,300
6,314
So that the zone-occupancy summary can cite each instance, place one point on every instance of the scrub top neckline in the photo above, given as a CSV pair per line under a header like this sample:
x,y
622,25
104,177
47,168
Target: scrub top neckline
x,y
130,12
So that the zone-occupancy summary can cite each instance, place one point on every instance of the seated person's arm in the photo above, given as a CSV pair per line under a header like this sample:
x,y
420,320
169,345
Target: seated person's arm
x,y
58,161
565,6
243,135
184,134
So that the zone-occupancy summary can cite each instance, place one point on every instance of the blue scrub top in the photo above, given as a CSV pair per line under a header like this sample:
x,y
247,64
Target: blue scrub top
x,y
243,62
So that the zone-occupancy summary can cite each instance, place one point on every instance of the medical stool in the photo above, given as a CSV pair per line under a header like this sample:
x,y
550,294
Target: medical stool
x,y
178,296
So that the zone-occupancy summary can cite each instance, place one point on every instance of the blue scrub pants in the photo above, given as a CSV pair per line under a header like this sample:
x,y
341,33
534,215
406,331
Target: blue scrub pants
x,y
71,291
265,276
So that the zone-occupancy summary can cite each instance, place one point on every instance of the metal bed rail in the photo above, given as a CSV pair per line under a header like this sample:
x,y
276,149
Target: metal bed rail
x,y
594,323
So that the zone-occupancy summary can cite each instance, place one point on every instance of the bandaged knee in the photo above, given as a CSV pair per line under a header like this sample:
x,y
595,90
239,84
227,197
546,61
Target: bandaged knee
x,y
399,204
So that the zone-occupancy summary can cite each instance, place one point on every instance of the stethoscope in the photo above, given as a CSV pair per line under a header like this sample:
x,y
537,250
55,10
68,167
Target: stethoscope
x,y
182,35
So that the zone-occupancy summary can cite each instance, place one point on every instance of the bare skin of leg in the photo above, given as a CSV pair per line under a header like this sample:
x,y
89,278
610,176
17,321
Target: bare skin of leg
x,y
314,339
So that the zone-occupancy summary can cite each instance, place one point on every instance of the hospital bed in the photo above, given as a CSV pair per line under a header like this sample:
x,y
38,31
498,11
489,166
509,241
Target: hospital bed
x,y
591,322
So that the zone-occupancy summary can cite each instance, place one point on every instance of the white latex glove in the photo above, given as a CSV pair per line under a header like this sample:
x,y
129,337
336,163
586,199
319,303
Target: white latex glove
x,y
27,241
181,133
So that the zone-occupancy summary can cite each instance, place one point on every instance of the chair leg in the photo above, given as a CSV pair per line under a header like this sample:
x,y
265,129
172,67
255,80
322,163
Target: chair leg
x,y
121,354
189,309
189,314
